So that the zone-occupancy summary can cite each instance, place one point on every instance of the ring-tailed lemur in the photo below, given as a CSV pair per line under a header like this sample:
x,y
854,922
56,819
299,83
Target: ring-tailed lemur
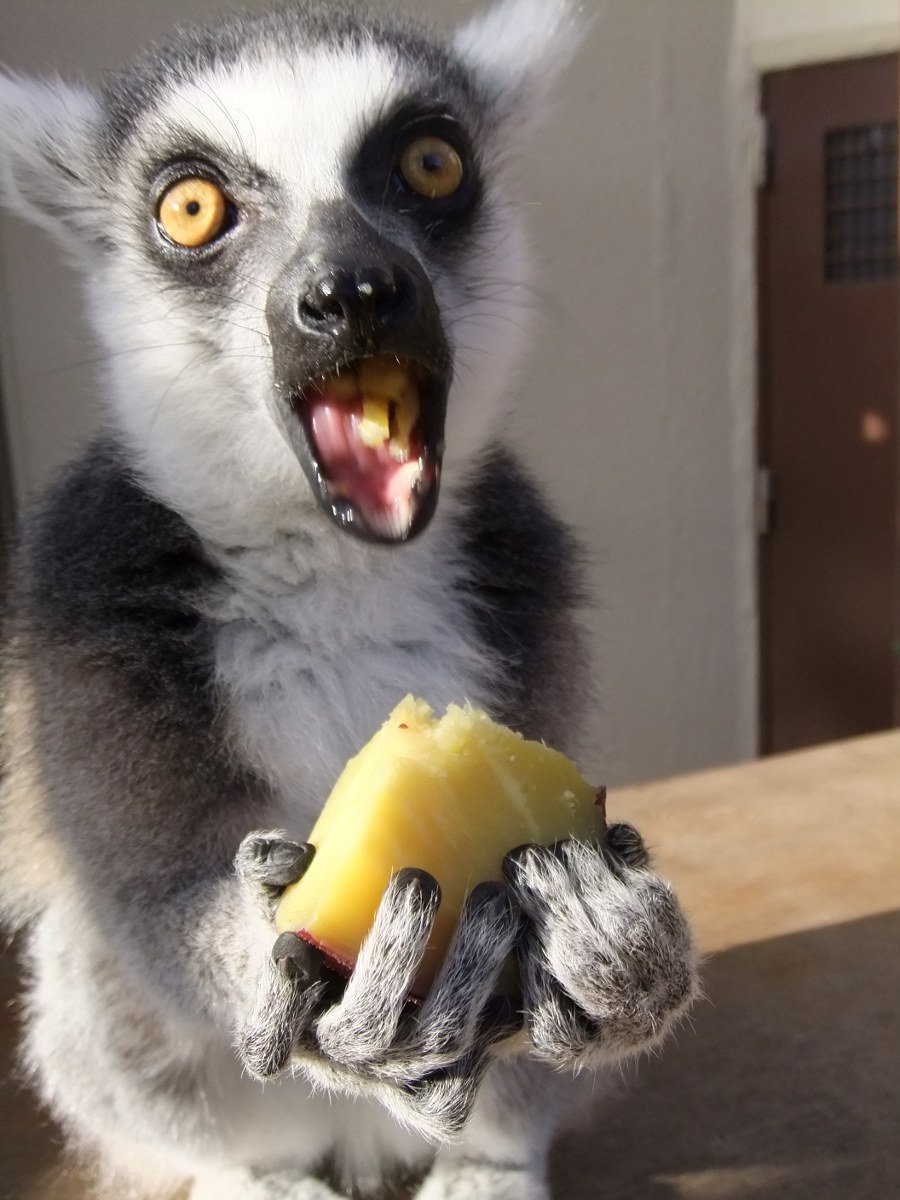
x,y
222,599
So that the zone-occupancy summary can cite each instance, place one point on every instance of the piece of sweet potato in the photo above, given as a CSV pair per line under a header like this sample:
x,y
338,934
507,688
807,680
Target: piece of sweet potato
x,y
450,796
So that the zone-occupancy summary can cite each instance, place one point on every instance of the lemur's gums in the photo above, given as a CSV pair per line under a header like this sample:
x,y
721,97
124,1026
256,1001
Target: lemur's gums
x,y
220,601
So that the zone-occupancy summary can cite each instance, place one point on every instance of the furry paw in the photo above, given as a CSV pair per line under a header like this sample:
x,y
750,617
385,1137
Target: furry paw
x,y
607,959
425,1063
291,986
364,1036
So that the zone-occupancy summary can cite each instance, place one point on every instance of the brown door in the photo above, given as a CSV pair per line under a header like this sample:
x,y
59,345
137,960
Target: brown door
x,y
829,325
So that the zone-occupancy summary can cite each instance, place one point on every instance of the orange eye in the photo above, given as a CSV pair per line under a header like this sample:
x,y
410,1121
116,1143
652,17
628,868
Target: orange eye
x,y
193,212
431,167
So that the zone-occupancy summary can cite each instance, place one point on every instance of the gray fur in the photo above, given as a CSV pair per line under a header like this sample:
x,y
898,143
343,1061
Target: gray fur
x,y
610,964
194,649
311,25
253,1185
463,1180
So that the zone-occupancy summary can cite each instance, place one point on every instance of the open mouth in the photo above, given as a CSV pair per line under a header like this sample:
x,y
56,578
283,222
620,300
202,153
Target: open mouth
x,y
375,434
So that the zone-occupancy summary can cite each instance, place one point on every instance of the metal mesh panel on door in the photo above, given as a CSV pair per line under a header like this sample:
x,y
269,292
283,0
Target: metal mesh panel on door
x,y
861,203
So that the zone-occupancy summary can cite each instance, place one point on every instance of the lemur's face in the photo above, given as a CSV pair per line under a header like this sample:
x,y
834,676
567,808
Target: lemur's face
x,y
314,220
306,254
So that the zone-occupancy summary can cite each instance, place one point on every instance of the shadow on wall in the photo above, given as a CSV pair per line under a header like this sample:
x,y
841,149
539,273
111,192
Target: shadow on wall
x,y
787,1084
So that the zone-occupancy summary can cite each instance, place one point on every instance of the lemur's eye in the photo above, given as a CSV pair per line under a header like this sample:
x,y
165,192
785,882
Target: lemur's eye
x,y
193,212
431,167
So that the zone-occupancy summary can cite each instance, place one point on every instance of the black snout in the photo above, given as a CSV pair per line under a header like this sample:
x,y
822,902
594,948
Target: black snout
x,y
343,295
347,293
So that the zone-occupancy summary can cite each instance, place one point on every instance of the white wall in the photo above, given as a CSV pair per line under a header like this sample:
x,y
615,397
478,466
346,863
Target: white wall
x,y
637,404
787,33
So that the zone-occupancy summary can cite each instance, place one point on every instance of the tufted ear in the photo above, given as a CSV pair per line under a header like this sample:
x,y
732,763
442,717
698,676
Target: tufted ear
x,y
517,50
49,170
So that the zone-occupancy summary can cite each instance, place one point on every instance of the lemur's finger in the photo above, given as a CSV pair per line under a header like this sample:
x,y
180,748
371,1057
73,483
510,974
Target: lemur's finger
x,y
626,844
572,898
462,1007
302,963
558,1029
439,1105
266,862
281,1014
361,1028
484,939
540,880
442,1101
285,862
568,883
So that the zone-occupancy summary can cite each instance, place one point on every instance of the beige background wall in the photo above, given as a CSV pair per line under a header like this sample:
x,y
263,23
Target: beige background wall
x,y
786,33
637,405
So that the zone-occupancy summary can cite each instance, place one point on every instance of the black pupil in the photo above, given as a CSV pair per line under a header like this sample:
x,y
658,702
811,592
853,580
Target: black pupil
x,y
433,161
193,207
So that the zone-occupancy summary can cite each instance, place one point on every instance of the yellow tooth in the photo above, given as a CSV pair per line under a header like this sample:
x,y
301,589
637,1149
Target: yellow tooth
x,y
404,417
387,378
393,382
374,427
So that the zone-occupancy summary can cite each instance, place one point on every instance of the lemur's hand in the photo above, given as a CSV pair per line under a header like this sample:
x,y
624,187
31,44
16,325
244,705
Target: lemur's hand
x,y
606,956
364,1036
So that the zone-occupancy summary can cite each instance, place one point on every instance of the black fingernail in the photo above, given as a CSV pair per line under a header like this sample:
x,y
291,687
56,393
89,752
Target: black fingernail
x,y
511,861
287,861
298,960
487,894
626,843
427,887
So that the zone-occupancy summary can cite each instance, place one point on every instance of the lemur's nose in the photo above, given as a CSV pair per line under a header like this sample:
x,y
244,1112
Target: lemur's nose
x,y
349,292
340,297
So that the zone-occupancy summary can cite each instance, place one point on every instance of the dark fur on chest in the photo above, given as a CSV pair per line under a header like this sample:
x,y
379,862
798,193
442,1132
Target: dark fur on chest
x,y
107,634
108,568
526,589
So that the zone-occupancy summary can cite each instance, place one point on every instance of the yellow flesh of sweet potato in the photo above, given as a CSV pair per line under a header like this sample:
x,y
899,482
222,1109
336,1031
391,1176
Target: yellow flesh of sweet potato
x,y
448,796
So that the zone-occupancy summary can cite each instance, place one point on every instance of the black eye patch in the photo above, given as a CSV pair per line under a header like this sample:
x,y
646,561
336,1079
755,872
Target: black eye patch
x,y
376,172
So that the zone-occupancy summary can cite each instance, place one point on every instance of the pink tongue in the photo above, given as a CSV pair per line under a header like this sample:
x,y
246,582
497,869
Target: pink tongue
x,y
371,477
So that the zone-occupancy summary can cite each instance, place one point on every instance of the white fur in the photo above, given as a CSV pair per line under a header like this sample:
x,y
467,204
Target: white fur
x,y
233,1120
49,122
519,48
312,671
481,1181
